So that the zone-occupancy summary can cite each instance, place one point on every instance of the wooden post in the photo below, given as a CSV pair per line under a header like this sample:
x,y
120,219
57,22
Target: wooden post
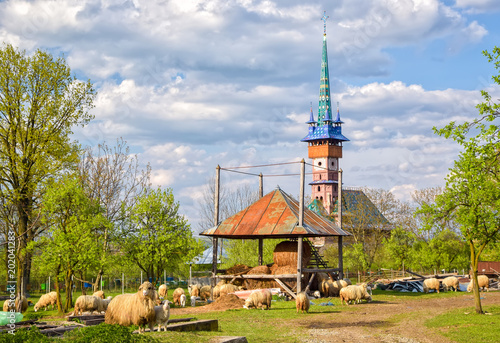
x,y
261,185
301,200
339,213
214,260
261,250
216,196
299,265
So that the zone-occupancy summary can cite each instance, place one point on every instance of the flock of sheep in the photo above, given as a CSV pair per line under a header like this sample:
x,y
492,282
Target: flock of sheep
x,y
145,307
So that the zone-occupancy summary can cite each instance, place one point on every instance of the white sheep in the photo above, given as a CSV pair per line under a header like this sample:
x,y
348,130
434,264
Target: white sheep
x,y
431,283
258,299
317,294
302,302
46,300
482,281
162,313
194,290
182,300
331,288
133,309
451,282
86,303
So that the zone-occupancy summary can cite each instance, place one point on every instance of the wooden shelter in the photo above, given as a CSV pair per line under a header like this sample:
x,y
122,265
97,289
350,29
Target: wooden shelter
x,y
278,215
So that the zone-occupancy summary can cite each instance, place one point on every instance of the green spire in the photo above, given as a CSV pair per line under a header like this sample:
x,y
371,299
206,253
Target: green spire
x,y
324,107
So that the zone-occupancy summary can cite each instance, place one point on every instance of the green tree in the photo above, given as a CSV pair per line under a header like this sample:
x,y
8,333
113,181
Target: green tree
x,y
472,193
157,237
70,244
39,104
246,251
399,247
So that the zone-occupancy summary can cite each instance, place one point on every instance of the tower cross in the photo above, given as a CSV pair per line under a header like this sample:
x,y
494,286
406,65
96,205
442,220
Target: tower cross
x,y
324,18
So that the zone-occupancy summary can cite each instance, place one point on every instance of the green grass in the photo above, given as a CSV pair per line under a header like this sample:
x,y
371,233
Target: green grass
x,y
464,325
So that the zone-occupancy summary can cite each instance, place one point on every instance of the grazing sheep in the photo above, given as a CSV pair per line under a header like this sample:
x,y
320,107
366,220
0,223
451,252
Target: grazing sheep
x,y
302,302
258,299
331,288
355,293
162,313
12,305
162,291
317,294
450,282
482,281
86,303
194,290
133,309
205,292
431,283
46,300
177,296
182,300
227,288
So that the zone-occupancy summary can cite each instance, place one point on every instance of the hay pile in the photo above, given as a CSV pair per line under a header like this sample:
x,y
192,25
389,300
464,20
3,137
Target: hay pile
x,y
238,269
226,302
285,254
255,283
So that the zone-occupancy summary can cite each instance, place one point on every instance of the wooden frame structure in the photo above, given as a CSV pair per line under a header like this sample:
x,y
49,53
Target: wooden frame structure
x,y
276,215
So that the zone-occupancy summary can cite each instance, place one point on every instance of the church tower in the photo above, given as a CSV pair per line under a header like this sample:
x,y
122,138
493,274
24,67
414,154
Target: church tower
x,y
325,140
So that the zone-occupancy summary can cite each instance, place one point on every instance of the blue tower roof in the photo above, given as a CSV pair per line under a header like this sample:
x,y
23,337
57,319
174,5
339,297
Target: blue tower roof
x,y
324,128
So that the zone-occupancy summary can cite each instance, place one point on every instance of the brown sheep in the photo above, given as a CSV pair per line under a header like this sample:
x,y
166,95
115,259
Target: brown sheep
x,y
431,283
133,309
206,290
86,303
194,291
46,300
99,294
163,291
451,282
12,305
302,302
177,296
482,281
258,299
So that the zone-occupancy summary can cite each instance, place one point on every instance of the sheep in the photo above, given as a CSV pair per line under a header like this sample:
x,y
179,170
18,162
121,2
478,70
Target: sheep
x,y
331,288
193,300
133,309
162,313
302,302
156,297
431,283
177,296
450,282
86,303
99,294
12,305
258,299
206,290
194,290
348,281
182,300
46,300
355,293
163,291
317,294
227,288
482,281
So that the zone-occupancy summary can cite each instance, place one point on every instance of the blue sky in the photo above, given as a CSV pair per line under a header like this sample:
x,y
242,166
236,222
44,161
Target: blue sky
x,y
192,84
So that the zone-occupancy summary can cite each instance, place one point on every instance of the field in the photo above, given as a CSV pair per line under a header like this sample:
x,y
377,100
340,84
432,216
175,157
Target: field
x,y
391,317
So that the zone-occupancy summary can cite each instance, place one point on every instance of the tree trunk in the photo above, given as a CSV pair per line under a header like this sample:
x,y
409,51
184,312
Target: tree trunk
x,y
82,284
474,263
58,290
69,286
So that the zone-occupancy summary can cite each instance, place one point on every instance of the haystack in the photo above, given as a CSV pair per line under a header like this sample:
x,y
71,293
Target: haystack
x,y
238,269
257,284
285,254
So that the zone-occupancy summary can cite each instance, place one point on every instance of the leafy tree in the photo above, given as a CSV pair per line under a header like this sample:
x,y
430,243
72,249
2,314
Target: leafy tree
x,y
472,194
246,251
157,237
399,247
72,217
39,104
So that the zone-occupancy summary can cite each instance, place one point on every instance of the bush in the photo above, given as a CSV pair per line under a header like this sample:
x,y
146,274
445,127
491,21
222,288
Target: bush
x,y
31,335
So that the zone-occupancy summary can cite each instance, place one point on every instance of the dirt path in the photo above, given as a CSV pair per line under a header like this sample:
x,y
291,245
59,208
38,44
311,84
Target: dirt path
x,y
398,321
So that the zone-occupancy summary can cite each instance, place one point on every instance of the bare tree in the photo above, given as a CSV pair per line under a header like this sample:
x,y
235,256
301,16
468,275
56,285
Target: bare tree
x,y
112,176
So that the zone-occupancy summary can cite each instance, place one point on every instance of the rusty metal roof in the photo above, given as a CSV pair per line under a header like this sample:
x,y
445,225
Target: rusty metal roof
x,y
275,215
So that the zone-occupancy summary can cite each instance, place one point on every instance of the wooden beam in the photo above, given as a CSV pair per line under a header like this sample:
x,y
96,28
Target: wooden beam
x,y
261,251
258,276
299,263
285,287
319,270
339,212
310,283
